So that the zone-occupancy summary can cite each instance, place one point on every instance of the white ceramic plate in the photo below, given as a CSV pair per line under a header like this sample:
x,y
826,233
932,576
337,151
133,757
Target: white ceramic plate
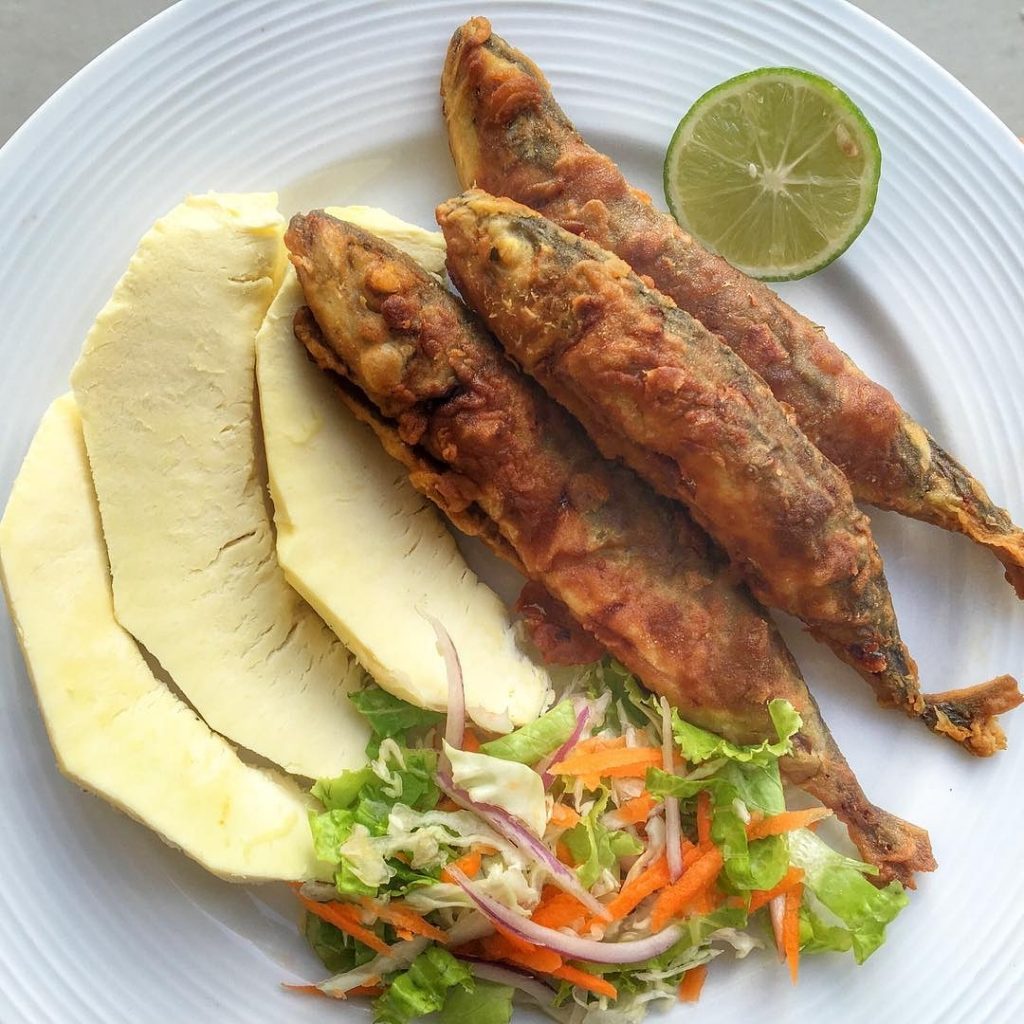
x,y
337,102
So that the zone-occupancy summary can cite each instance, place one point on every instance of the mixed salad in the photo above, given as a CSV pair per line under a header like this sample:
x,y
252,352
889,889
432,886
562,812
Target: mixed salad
x,y
591,863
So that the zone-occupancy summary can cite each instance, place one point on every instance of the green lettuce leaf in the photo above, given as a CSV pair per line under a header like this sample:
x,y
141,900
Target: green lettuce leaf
x,y
389,715
747,865
330,830
487,1003
631,704
531,742
699,745
817,936
423,988
342,792
595,847
337,951
839,883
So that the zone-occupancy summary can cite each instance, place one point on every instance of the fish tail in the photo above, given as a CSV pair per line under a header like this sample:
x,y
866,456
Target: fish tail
x,y
969,716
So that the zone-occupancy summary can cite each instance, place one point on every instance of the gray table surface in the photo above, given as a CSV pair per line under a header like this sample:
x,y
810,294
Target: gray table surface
x,y
44,42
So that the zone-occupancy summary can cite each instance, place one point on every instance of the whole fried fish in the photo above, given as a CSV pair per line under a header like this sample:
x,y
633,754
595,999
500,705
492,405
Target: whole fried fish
x,y
653,387
509,136
486,444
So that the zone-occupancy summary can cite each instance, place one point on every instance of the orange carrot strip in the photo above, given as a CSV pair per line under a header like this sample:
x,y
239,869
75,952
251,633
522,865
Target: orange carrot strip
x,y
583,979
599,762
468,864
787,821
692,983
559,909
446,803
470,741
563,853
791,930
345,918
703,817
673,900
404,918
762,897
631,895
637,810
563,816
515,951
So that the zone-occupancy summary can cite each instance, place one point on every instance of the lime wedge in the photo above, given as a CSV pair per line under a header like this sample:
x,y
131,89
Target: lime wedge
x,y
776,170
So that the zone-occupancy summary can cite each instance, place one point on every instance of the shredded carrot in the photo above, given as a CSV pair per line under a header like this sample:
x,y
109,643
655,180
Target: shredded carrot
x,y
470,741
563,853
446,803
404,918
692,983
563,816
704,817
612,762
468,864
637,810
791,930
631,895
344,917
559,909
700,875
583,979
787,821
372,988
762,897
514,950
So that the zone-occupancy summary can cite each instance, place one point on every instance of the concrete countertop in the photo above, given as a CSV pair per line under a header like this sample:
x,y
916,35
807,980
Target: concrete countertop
x,y
44,42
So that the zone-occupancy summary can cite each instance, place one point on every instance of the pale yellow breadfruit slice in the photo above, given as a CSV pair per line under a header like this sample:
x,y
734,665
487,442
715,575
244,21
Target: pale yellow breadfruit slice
x,y
116,729
370,553
166,388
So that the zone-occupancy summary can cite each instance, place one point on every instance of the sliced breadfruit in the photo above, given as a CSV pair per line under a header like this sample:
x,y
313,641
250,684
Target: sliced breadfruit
x,y
165,386
369,552
116,729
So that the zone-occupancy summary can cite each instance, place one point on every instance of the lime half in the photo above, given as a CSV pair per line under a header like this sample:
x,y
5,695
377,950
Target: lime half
x,y
776,170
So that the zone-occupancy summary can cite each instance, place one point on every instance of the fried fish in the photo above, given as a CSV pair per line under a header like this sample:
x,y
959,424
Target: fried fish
x,y
486,444
654,388
510,137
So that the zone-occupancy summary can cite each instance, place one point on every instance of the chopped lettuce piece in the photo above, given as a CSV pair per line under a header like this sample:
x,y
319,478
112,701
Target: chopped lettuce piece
x,y
514,787
818,936
487,1003
747,865
423,988
389,715
596,848
699,745
338,952
631,704
840,885
342,792
330,830
531,742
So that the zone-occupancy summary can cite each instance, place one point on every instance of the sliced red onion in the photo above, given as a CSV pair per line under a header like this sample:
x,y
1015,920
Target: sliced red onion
x,y
455,724
520,980
582,720
509,826
673,831
570,946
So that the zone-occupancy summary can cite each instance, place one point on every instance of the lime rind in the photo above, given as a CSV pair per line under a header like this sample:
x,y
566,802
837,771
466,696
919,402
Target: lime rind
x,y
787,225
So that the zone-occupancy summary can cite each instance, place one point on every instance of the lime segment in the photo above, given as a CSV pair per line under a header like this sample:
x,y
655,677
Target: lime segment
x,y
776,170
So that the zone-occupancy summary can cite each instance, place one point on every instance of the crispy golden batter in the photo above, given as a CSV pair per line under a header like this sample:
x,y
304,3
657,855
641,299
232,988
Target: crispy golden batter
x,y
509,136
654,387
630,566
